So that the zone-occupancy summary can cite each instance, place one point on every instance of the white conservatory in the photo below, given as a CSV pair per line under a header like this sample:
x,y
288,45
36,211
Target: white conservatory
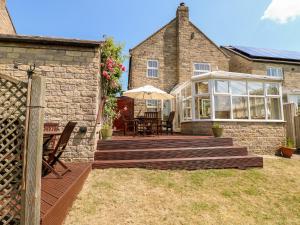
x,y
227,96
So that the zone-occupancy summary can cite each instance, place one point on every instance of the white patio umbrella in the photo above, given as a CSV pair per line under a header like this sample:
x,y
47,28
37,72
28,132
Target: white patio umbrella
x,y
148,92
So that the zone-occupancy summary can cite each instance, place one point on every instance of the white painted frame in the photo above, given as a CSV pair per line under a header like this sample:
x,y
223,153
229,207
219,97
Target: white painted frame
x,y
152,68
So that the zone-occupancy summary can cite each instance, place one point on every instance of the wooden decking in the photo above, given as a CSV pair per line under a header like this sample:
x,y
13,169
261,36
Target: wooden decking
x,y
58,194
173,152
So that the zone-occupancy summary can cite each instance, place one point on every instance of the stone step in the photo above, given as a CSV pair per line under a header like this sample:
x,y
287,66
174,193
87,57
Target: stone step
x,y
164,153
164,143
241,162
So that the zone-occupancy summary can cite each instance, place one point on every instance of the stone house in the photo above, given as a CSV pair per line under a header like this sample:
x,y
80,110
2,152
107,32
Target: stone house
x,y
71,68
213,84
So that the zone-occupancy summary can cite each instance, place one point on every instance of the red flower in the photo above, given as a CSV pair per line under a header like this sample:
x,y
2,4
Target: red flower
x,y
123,68
105,73
108,77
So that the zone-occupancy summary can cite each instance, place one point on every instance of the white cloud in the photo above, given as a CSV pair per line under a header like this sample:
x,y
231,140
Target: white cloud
x,y
282,11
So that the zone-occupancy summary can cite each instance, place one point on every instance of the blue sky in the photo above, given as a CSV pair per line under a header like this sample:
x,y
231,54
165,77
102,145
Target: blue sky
x,y
226,22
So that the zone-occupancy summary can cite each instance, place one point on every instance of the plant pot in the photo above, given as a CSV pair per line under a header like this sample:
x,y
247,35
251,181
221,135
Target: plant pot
x,y
287,152
106,133
218,132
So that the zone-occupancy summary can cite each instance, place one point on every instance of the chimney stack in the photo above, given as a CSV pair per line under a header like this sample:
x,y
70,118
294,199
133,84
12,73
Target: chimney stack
x,y
2,4
182,12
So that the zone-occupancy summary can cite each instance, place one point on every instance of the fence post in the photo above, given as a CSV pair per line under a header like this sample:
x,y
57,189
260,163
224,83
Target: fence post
x,y
31,214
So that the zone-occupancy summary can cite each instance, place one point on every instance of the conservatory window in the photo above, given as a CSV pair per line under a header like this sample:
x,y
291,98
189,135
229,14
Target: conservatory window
x,y
274,112
257,108
222,86
201,87
240,107
256,88
201,68
202,107
222,107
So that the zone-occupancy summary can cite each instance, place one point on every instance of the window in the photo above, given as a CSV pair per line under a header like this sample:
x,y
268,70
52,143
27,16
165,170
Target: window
x,y
275,72
201,68
222,86
152,105
202,107
239,87
240,107
257,108
201,87
222,107
152,68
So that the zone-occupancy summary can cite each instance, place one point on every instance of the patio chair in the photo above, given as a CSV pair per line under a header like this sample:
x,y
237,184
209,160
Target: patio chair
x,y
50,126
154,119
51,156
168,124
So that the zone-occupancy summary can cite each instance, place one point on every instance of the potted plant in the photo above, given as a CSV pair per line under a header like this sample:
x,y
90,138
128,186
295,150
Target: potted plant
x,y
217,130
288,149
109,114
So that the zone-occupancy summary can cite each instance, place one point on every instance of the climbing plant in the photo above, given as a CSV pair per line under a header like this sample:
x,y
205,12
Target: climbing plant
x,y
112,69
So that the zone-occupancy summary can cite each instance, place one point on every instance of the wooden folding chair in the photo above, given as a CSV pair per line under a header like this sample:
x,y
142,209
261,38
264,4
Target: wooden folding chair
x,y
51,158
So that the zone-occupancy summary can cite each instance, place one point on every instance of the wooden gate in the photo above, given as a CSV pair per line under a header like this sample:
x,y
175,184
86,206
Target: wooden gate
x,y
13,99
21,111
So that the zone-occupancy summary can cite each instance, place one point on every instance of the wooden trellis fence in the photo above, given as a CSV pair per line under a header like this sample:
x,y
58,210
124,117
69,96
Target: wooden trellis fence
x,y
20,149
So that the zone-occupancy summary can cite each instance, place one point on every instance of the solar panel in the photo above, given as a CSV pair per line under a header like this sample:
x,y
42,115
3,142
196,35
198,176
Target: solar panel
x,y
268,53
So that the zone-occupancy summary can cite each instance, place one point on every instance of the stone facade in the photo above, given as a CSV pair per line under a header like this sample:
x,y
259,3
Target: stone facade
x,y
6,24
259,137
176,46
71,70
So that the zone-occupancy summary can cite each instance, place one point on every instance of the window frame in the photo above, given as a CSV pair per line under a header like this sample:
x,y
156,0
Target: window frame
x,y
151,106
275,67
152,68
201,71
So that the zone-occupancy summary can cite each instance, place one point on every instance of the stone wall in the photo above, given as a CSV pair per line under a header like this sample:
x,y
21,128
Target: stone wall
x,y
72,86
6,25
259,137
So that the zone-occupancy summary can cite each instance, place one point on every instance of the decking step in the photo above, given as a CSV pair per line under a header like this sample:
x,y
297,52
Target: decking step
x,y
164,143
164,153
241,162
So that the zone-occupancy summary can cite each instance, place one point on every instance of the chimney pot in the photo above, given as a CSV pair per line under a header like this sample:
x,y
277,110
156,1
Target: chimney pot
x,y
182,4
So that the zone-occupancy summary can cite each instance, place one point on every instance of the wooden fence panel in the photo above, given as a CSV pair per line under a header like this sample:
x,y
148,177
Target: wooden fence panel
x,y
13,98
297,131
289,110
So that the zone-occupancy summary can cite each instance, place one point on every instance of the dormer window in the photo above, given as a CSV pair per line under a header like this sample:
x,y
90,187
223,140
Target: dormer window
x,y
275,72
201,68
152,68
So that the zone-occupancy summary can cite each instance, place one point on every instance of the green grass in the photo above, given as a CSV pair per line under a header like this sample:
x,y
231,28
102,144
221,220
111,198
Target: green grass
x,y
134,196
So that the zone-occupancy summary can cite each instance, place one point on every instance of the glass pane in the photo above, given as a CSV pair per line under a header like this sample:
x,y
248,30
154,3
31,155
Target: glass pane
x,y
202,108
257,108
166,109
188,91
187,109
275,72
152,63
274,112
272,89
256,88
222,107
240,107
238,88
201,87
202,66
152,73
222,86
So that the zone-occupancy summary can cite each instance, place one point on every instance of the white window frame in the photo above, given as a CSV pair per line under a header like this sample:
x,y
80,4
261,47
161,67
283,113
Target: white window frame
x,y
150,106
152,68
277,69
200,71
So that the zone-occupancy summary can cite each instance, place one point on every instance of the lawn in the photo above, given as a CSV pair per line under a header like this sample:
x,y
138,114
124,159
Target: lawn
x,y
134,196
